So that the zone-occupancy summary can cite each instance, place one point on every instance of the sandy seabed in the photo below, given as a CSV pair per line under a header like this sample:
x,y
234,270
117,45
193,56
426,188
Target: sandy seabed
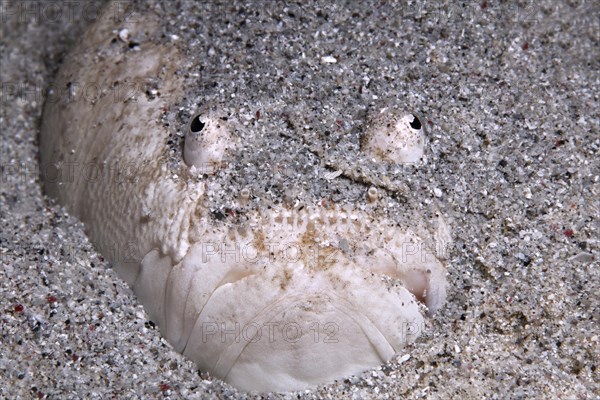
x,y
510,94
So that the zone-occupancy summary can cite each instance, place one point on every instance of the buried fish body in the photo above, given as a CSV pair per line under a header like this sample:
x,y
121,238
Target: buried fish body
x,y
276,250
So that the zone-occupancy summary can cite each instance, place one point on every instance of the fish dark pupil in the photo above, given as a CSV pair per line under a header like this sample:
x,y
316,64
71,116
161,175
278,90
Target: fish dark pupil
x,y
415,124
197,125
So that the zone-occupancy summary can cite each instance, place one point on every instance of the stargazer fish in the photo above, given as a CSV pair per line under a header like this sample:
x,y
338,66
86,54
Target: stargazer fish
x,y
247,176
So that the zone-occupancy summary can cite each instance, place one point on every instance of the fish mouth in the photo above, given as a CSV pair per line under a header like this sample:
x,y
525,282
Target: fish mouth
x,y
316,237
295,298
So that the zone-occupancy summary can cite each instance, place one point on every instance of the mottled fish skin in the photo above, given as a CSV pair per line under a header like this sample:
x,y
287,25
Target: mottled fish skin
x,y
347,301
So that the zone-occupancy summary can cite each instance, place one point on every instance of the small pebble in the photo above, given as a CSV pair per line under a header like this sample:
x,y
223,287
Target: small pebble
x,y
328,60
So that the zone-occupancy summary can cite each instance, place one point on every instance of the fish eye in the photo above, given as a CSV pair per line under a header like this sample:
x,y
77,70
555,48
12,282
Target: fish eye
x,y
197,124
416,123
394,137
207,142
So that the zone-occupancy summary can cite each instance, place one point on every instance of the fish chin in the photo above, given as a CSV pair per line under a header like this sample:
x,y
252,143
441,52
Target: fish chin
x,y
279,304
